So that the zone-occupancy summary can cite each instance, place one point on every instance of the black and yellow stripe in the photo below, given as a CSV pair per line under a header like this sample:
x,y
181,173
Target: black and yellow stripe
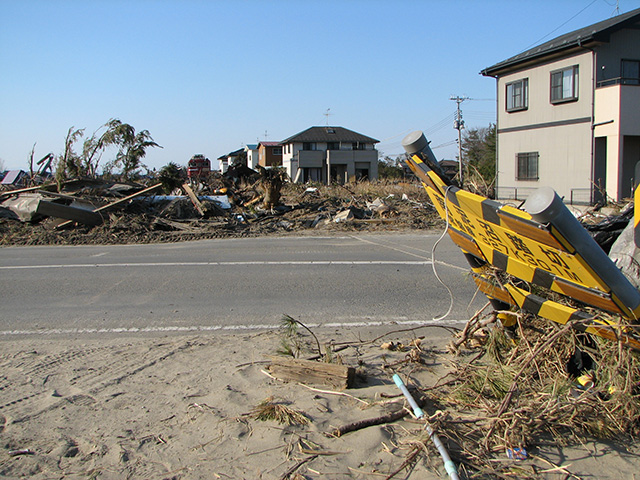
x,y
508,239
562,314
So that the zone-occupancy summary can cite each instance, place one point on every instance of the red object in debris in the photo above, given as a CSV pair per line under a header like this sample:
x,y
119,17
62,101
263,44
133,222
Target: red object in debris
x,y
198,166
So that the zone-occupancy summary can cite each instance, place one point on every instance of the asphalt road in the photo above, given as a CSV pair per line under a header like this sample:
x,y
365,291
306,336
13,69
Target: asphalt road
x,y
232,284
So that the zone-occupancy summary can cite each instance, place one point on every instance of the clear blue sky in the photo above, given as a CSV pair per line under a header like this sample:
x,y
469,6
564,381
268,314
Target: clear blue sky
x,y
211,76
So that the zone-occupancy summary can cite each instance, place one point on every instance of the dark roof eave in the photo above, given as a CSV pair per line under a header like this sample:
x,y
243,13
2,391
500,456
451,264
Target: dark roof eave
x,y
513,64
584,37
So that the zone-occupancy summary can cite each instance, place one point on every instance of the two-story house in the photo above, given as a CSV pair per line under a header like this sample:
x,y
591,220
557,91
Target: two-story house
x,y
270,154
329,154
569,114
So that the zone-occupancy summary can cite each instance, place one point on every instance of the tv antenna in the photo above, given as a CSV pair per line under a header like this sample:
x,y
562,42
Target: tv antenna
x,y
327,115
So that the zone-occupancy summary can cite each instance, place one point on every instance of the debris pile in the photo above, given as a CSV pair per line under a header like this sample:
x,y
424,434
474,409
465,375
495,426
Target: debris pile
x,y
502,400
239,203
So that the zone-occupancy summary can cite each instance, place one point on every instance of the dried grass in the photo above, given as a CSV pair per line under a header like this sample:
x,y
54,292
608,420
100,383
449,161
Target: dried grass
x,y
269,409
517,392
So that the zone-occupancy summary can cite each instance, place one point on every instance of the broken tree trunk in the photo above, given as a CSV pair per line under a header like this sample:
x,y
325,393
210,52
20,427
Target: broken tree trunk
x,y
315,373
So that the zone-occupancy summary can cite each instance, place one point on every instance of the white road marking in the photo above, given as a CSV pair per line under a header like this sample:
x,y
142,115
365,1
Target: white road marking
x,y
209,264
216,328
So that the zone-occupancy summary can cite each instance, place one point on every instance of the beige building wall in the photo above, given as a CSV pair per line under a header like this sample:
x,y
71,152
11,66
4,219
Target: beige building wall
x,y
560,133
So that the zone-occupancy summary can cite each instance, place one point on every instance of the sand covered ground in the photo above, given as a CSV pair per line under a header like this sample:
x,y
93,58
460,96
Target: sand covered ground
x,y
180,407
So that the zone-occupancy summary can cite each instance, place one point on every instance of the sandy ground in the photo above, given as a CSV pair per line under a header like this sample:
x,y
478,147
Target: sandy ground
x,y
176,407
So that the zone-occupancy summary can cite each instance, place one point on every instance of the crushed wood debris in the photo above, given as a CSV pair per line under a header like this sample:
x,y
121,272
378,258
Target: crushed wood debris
x,y
239,203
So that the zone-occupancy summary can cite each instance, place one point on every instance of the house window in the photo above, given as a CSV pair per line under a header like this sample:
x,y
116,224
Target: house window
x,y
564,85
631,72
358,146
518,95
309,146
277,150
333,145
527,166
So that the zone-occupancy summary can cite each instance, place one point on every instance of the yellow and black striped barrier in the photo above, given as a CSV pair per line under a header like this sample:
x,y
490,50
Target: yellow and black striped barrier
x,y
511,241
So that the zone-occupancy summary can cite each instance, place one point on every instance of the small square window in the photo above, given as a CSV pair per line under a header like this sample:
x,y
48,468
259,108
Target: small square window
x,y
631,72
518,95
527,166
564,85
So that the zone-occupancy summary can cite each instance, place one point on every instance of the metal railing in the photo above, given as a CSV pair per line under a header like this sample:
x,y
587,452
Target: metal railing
x,y
580,196
618,81
514,193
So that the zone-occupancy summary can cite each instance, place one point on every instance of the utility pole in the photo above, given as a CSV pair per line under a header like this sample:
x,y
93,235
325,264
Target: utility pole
x,y
458,124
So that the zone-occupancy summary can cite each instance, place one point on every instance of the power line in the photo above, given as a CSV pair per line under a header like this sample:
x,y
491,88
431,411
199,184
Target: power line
x,y
558,28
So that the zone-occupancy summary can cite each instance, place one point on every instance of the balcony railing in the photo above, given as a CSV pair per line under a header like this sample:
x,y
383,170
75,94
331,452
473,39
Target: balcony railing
x,y
578,196
618,81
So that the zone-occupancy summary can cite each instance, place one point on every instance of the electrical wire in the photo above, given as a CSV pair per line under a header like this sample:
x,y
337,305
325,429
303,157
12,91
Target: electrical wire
x,y
433,257
558,28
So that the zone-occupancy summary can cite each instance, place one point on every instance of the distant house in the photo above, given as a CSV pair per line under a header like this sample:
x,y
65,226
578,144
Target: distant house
x,y
330,154
569,114
252,155
270,154
229,159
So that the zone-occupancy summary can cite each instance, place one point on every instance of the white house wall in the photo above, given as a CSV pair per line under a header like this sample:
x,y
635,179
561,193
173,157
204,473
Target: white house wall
x,y
252,158
560,133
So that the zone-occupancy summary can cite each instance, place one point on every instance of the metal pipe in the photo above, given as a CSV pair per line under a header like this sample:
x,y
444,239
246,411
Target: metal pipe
x,y
449,466
416,144
545,206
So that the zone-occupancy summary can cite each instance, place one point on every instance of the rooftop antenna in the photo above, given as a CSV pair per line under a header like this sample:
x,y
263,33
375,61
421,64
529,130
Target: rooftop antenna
x,y
327,115
266,135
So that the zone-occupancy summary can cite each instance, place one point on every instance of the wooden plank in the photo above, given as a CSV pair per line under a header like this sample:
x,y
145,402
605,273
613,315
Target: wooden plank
x,y
194,199
314,373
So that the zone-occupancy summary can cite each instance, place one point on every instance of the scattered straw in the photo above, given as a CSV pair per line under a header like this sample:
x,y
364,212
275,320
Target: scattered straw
x,y
269,409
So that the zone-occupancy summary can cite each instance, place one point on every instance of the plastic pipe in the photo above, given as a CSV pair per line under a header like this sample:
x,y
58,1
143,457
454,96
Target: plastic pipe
x,y
449,466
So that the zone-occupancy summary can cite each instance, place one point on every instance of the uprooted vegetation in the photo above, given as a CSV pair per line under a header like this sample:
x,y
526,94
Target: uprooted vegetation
x,y
237,204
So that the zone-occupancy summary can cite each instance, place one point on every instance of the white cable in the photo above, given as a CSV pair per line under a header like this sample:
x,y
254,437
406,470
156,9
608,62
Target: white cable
x,y
433,257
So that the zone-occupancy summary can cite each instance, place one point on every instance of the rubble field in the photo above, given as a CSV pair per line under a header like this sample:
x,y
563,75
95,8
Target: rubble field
x,y
220,207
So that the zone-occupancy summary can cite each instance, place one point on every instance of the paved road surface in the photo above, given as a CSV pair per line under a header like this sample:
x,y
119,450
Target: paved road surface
x,y
231,284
